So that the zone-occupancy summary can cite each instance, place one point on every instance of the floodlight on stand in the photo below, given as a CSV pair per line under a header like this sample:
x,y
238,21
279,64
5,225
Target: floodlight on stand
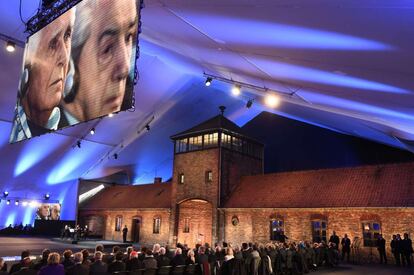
x,y
208,81
249,103
92,131
236,90
5,194
10,46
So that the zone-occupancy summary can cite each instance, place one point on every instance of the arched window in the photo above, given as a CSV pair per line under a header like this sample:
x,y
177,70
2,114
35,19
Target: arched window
x,y
156,225
118,223
277,229
319,227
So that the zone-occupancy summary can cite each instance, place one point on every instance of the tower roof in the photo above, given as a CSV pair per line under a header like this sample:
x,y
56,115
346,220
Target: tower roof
x,y
219,122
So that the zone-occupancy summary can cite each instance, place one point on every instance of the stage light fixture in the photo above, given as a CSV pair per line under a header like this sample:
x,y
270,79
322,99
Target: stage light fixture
x,y
16,202
111,115
10,46
47,196
115,156
8,202
5,194
249,103
272,101
147,127
78,143
208,81
92,131
24,204
236,90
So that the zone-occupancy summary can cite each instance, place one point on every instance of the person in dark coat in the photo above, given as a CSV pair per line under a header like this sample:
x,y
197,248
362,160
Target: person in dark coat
x,y
381,249
67,259
406,250
149,262
231,265
78,268
133,263
124,233
163,259
394,250
346,247
334,239
178,259
118,264
3,267
43,261
98,267
26,268
16,267
53,266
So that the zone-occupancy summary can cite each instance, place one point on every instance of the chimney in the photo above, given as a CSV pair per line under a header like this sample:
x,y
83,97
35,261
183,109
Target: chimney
x,y
157,180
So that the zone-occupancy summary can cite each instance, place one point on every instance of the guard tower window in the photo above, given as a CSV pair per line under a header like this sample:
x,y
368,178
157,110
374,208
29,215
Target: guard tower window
x,y
181,145
195,143
210,140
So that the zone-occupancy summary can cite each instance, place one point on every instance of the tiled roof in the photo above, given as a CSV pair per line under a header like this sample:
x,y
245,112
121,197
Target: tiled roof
x,y
215,123
156,195
390,185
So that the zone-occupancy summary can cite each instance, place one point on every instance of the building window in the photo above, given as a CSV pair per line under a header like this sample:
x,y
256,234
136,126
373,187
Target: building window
x,y
181,145
156,225
118,223
209,176
186,225
181,178
195,143
277,232
370,233
225,140
237,144
210,140
319,230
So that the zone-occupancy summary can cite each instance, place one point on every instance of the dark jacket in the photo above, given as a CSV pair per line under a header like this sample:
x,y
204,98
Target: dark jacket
x,y
78,269
25,271
163,260
149,263
133,264
177,260
52,270
98,268
116,266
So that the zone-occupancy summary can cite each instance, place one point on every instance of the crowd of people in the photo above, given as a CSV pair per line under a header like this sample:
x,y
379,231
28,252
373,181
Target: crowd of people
x,y
17,229
226,259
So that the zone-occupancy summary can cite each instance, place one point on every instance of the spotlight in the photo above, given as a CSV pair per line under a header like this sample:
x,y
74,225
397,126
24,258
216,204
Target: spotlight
x,y
33,204
249,103
78,143
10,46
16,202
5,194
147,127
92,131
24,203
47,196
208,81
236,90
272,101
111,115
8,202
115,156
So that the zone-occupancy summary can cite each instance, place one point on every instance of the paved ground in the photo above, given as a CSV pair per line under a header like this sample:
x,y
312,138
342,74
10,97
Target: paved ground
x,y
12,246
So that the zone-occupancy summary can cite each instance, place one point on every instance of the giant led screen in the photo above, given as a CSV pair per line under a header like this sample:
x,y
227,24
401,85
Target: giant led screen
x,y
48,211
79,67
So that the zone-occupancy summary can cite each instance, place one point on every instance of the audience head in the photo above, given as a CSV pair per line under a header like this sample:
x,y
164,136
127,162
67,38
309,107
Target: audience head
x,y
143,249
148,252
67,254
162,251
190,253
53,259
201,250
85,253
26,262
119,256
156,248
394,237
244,246
405,235
78,257
229,251
99,247
45,254
178,251
98,256
133,255
25,253
115,249
1,263
129,249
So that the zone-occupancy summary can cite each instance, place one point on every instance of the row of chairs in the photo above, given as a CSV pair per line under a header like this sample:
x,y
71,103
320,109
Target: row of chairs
x,y
164,270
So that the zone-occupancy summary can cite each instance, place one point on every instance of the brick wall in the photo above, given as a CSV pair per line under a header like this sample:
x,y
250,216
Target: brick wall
x,y
146,231
254,224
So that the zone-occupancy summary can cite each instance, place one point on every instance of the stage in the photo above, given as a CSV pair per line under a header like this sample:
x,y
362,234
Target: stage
x,y
13,246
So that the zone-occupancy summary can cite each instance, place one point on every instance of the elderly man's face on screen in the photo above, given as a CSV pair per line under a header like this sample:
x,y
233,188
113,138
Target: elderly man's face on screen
x,y
48,61
105,60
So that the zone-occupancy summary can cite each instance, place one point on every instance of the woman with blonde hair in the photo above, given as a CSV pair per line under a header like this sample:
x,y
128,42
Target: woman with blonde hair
x,y
53,266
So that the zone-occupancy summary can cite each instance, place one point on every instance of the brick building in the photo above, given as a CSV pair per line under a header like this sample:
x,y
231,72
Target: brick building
x,y
218,192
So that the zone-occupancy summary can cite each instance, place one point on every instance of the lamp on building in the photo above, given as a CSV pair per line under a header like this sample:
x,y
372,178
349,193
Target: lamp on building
x,y
5,194
208,81
47,196
10,46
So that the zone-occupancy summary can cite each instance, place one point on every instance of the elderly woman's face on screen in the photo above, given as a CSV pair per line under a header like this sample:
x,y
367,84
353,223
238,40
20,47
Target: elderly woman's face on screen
x,y
105,60
49,63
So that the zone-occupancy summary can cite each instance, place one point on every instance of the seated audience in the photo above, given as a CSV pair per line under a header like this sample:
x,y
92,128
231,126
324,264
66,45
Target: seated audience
x,y
27,268
133,263
149,262
98,267
178,258
163,259
16,267
53,266
3,267
78,268
67,259
118,264
43,261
